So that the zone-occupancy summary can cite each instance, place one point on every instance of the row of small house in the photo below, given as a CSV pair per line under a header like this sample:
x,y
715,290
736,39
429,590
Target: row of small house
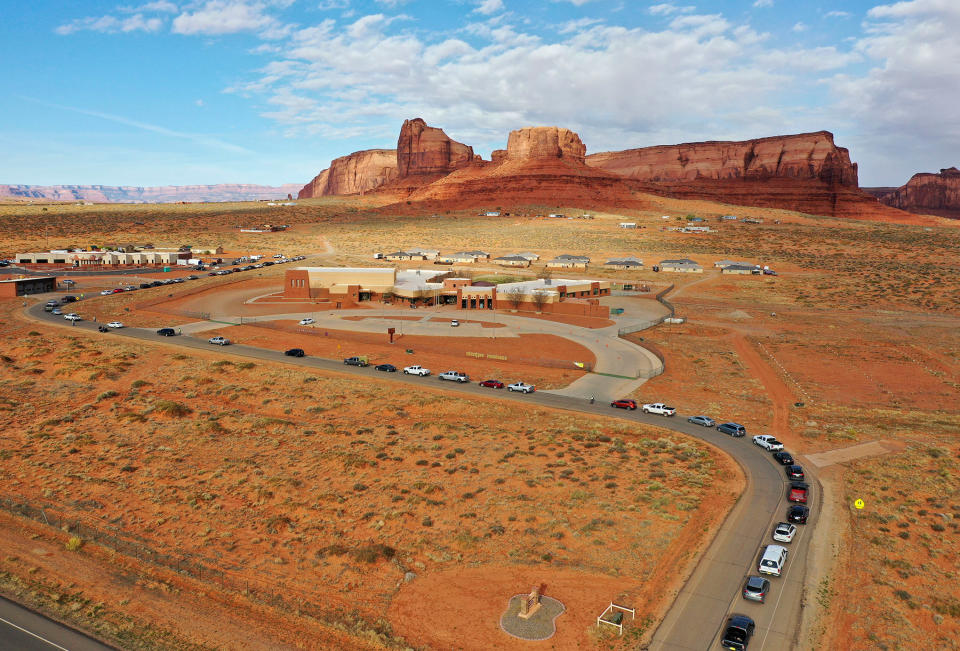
x,y
685,265
565,261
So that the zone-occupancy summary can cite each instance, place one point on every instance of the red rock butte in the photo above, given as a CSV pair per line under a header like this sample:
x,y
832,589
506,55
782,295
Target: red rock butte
x,y
548,165
928,194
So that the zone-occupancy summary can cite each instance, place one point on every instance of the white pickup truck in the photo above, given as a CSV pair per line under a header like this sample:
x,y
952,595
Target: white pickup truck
x,y
416,370
455,376
659,408
522,387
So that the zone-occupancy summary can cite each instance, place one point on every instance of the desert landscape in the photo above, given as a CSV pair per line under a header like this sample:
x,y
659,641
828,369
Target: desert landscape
x,y
565,325
332,508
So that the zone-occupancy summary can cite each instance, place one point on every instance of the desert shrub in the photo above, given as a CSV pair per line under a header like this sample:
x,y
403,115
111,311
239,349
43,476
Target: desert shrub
x,y
172,408
74,543
107,394
427,521
136,384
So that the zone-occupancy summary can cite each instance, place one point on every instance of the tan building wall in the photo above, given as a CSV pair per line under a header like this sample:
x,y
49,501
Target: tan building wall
x,y
369,279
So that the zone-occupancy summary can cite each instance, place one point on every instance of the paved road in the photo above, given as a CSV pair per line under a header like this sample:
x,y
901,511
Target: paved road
x,y
696,619
25,630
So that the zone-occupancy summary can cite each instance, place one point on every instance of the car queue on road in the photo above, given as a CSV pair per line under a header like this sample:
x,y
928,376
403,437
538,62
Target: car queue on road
x,y
783,532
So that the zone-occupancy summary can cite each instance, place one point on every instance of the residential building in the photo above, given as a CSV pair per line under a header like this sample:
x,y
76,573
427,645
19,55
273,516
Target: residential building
x,y
624,263
720,264
682,265
512,261
744,269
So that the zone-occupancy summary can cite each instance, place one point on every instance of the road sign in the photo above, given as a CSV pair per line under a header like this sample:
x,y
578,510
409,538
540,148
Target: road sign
x,y
858,504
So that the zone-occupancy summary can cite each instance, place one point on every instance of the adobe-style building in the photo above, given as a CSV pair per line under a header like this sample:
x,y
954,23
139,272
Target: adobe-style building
x,y
345,287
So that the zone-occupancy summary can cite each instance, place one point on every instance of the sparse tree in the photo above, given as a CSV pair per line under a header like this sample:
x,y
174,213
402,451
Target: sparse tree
x,y
515,297
539,298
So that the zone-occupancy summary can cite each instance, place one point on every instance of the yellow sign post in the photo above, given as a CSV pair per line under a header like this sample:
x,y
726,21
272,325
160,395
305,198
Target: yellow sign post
x,y
858,504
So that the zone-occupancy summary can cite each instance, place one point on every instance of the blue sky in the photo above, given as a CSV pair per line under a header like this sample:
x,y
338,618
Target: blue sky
x,y
157,92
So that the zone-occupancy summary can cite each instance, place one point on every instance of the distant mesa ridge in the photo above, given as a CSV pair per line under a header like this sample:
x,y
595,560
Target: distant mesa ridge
x,y
805,172
926,193
157,194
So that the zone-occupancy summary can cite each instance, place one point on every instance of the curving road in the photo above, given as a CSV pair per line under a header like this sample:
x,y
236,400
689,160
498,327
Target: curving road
x,y
697,616
25,630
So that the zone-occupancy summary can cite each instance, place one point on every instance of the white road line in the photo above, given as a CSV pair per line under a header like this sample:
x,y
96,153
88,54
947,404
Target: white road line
x,y
781,591
31,633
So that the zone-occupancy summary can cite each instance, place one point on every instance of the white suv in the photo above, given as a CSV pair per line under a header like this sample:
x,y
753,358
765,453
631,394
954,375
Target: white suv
x,y
768,442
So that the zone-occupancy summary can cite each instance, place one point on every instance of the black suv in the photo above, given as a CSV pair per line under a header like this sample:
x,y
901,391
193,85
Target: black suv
x,y
783,457
294,352
166,332
738,632
797,514
733,429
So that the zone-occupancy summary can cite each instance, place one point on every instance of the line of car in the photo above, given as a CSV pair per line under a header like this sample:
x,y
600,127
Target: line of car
x,y
740,628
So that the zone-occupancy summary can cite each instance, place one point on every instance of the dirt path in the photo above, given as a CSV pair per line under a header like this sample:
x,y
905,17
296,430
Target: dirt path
x,y
779,393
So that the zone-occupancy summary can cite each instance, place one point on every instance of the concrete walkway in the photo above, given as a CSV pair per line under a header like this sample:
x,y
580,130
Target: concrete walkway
x,y
618,362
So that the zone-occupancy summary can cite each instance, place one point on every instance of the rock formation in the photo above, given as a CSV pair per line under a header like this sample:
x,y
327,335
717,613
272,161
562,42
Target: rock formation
x,y
808,156
361,171
422,149
928,194
545,142
155,194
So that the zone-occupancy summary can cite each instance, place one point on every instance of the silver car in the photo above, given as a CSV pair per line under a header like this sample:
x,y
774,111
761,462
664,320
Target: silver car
x,y
756,588
705,421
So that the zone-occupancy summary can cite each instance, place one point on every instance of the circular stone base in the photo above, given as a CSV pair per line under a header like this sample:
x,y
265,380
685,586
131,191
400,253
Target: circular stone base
x,y
539,627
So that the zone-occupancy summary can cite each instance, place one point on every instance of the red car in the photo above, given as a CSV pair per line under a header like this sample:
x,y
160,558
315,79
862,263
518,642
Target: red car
x,y
117,291
624,404
798,492
492,384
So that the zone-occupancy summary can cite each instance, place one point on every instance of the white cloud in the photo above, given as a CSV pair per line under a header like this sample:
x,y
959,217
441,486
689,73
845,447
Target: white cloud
x,y
487,7
763,3
327,5
665,9
906,103
837,14
111,25
799,27
216,17
573,26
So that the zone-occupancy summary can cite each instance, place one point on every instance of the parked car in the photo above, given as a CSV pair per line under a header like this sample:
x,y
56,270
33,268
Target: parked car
x,y
784,532
386,368
294,352
48,308
68,299
56,311
756,588
798,492
166,332
454,376
783,457
145,285
73,316
115,324
416,370
767,442
356,361
306,321
106,292
522,387
492,384
658,408
117,291
769,272
733,429
798,514
624,403
454,323
218,341
736,635
794,472
705,421
773,560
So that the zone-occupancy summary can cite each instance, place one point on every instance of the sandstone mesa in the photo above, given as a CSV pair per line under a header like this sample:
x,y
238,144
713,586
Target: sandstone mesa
x,y
806,172
926,193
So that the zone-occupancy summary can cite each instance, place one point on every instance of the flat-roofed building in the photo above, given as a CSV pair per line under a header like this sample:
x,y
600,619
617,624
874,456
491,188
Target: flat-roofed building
x,y
511,261
682,265
13,287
